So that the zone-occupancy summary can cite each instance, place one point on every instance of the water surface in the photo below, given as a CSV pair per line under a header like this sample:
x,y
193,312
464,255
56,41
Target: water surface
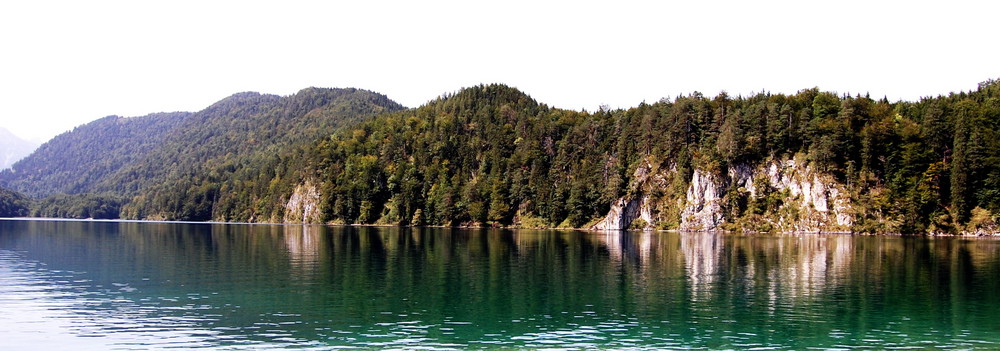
x,y
111,285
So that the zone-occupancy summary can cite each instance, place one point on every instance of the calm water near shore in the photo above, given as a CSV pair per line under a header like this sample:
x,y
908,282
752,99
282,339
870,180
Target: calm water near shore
x,y
129,285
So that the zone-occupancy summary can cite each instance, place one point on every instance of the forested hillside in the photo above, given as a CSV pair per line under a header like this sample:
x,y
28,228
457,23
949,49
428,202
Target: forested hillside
x,y
492,155
113,161
13,204
75,161
231,143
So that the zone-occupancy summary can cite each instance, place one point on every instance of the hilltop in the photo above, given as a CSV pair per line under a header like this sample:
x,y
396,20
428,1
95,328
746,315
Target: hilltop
x,y
491,155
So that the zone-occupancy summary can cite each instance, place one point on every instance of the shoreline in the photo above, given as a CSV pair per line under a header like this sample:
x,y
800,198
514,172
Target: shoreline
x,y
963,235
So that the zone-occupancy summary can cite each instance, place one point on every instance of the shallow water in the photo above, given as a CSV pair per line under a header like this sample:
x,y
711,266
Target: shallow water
x,y
111,285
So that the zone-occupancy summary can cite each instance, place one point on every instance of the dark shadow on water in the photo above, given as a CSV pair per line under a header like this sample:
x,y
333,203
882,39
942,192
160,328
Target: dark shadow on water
x,y
293,285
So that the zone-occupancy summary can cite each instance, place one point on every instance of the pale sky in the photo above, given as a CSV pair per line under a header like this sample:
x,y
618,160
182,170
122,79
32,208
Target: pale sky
x,y
65,63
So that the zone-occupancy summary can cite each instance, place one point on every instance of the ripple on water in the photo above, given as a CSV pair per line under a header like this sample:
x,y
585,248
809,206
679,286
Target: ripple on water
x,y
95,311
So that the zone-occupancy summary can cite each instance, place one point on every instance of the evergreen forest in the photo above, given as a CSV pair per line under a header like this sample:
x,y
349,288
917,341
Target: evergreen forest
x,y
490,155
13,204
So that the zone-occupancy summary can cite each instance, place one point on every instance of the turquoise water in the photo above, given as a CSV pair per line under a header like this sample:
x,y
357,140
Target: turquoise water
x,y
109,285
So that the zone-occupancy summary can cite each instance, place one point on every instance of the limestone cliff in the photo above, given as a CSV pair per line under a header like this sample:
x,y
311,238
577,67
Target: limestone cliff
x,y
625,211
703,209
303,204
823,202
637,204
810,201
778,195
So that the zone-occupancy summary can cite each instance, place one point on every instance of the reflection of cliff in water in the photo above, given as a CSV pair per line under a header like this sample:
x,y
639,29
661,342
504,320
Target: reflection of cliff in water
x,y
303,243
526,266
702,252
777,266
787,268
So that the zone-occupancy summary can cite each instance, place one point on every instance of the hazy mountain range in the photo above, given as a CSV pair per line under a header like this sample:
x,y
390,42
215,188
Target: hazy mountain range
x,y
14,148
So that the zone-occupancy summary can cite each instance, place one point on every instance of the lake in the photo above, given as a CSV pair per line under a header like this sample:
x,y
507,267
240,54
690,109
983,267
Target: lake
x,y
129,285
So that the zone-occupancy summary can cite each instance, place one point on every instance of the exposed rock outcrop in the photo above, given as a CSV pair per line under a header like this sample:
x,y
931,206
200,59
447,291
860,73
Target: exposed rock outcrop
x,y
823,203
634,206
625,211
801,199
703,210
303,205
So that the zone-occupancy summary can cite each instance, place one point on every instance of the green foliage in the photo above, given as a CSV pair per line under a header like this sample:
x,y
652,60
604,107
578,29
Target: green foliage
x,y
479,155
491,155
982,221
638,224
195,166
13,204
76,161
80,206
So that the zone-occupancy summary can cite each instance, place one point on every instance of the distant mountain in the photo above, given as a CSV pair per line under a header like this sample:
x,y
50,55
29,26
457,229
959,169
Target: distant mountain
x,y
13,148
158,155
75,161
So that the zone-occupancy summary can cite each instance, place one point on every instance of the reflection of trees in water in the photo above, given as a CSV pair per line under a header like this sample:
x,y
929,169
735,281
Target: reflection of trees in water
x,y
524,267
780,269
775,267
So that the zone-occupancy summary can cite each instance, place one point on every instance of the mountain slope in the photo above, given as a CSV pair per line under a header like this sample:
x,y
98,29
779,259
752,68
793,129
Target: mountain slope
x,y
73,162
231,144
13,148
235,130
485,154
492,155
144,166
811,161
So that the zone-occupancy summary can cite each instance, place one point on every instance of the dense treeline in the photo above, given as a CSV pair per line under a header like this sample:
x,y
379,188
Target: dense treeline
x,y
75,161
79,206
482,155
210,160
13,204
490,154
169,161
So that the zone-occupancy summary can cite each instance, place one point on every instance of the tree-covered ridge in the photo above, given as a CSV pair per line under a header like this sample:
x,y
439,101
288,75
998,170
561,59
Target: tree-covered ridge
x,y
13,204
232,132
160,156
75,161
490,154
229,142
79,206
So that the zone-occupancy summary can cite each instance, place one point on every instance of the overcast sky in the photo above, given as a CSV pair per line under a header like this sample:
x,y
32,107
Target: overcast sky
x,y
65,63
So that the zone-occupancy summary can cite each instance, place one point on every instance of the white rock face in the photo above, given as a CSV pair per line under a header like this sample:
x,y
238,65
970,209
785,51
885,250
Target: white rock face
x,y
821,202
820,197
621,215
303,205
703,210
628,208
813,201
